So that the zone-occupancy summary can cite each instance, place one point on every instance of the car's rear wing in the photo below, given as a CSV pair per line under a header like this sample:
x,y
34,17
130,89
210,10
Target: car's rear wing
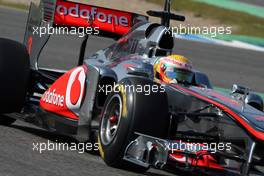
x,y
51,15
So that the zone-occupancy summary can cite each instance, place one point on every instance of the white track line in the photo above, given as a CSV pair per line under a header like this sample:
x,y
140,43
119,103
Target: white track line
x,y
234,44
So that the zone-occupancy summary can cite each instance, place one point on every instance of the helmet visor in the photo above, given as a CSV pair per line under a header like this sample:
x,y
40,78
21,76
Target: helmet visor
x,y
180,75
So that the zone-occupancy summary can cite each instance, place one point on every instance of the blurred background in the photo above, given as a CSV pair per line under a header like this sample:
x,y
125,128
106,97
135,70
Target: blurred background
x,y
246,17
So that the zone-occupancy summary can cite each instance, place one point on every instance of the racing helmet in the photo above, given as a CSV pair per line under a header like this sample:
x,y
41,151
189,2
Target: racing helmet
x,y
174,69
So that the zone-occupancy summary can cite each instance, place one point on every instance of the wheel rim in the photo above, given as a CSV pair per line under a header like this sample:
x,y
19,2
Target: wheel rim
x,y
111,119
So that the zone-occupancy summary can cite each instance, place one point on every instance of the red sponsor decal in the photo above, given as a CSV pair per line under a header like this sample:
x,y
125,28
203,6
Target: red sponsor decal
x,y
29,44
206,160
75,14
260,118
180,64
223,98
65,96
128,66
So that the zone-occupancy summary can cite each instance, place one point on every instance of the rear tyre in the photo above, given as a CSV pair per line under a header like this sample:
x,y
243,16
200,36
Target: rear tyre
x,y
14,76
128,112
6,121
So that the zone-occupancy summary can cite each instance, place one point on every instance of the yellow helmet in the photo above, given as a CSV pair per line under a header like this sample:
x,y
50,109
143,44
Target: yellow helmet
x,y
174,68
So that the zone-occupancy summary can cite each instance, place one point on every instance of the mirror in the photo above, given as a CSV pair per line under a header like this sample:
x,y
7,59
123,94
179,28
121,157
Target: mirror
x,y
138,72
240,89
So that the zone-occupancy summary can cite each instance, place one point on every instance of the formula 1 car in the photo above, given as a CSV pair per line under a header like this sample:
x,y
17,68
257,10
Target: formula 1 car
x,y
175,127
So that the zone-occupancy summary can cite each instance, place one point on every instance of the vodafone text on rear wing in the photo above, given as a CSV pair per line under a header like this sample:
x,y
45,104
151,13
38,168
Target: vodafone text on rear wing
x,y
56,13
115,21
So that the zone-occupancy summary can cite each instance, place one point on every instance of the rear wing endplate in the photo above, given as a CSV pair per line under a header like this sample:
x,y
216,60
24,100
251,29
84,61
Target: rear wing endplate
x,y
57,13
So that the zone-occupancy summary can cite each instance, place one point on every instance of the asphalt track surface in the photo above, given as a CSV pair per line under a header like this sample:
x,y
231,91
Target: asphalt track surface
x,y
223,65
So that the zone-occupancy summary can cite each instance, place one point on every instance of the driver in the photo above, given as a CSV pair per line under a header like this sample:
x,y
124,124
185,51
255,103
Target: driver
x,y
174,69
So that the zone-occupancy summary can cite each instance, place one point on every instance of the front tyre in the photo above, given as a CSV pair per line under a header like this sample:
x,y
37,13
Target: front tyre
x,y
126,112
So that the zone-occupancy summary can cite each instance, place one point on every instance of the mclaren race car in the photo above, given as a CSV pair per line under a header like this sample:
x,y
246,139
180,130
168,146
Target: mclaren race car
x,y
175,127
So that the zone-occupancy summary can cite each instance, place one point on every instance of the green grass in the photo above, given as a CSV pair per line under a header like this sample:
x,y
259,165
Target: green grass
x,y
14,5
246,24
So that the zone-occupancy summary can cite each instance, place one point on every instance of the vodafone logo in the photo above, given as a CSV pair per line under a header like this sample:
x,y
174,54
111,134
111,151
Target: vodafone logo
x,y
94,13
65,95
51,97
75,89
